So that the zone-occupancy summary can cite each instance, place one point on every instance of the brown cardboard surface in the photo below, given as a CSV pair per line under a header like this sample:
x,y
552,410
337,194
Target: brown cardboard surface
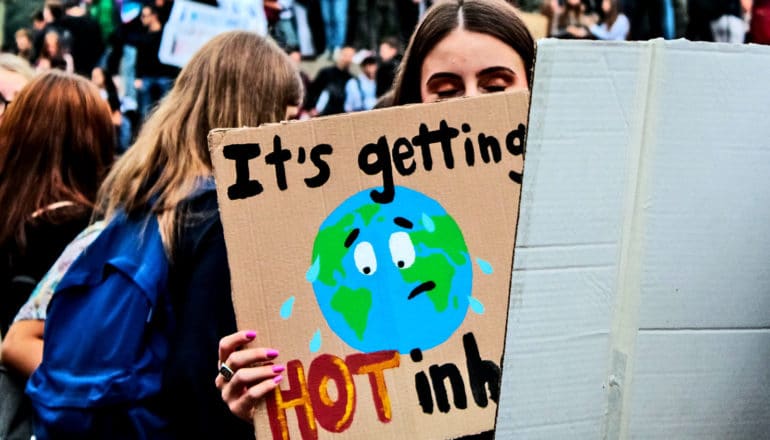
x,y
274,210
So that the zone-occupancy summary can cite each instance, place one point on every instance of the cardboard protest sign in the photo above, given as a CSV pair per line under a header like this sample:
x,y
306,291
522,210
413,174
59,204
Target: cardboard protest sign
x,y
374,250
640,299
192,24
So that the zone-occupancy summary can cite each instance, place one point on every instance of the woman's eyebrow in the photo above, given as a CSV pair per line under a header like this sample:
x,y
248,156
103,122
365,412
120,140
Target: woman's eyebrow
x,y
443,75
495,69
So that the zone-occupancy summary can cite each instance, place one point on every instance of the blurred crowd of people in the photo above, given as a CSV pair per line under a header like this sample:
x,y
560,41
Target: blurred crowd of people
x,y
727,21
117,51
91,72
116,43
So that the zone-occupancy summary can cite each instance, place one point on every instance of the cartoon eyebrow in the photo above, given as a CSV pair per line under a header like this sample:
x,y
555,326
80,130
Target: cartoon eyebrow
x,y
351,237
404,223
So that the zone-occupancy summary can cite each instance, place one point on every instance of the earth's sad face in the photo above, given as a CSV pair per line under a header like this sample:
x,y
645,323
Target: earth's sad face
x,y
393,276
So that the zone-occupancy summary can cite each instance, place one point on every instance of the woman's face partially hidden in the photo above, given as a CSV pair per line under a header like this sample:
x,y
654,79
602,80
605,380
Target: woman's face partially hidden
x,y
468,63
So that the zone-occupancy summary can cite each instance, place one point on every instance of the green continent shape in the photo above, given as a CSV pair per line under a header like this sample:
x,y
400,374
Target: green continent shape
x,y
367,212
330,246
446,236
330,243
436,268
354,306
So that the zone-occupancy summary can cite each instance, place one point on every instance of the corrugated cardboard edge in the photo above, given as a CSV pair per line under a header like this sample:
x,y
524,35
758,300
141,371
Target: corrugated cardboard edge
x,y
625,320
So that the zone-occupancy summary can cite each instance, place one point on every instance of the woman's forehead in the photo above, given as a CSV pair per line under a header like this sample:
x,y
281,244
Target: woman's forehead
x,y
467,51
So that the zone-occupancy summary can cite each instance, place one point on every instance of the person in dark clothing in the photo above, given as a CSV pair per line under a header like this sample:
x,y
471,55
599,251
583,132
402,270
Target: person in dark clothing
x,y
53,12
153,78
374,19
326,95
86,43
409,14
164,8
58,134
390,58
200,286
703,13
650,19
109,92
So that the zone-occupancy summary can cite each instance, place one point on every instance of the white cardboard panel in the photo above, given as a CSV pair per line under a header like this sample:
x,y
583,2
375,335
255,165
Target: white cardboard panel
x,y
567,246
708,236
701,385
650,158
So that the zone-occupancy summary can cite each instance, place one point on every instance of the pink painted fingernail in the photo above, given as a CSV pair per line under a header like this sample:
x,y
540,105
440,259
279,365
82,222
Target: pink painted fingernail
x,y
251,334
272,353
278,368
278,379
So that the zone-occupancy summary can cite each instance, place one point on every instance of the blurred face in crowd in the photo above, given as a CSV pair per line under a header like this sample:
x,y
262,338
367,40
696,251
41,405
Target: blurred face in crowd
x,y
370,70
469,63
345,57
22,42
97,77
296,57
10,84
147,17
387,52
38,25
52,43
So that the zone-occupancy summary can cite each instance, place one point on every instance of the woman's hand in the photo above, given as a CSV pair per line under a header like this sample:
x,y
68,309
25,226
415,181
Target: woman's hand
x,y
253,373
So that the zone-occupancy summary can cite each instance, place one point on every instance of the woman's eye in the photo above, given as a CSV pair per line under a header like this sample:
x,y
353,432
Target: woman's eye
x,y
494,89
447,93
366,261
401,250
497,82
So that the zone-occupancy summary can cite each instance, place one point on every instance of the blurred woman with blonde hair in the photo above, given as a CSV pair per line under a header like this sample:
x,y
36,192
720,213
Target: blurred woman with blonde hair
x,y
237,79
15,72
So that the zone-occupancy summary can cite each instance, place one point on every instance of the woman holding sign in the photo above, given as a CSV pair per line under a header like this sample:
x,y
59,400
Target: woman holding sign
x,y
461,48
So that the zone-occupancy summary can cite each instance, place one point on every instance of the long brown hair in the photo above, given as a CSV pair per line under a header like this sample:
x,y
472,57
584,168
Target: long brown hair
x,y
237,79
572,15
56,142
496,18
612,15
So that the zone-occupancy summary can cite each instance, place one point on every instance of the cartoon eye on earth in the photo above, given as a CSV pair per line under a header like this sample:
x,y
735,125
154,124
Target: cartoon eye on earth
x,y
366,261
401,249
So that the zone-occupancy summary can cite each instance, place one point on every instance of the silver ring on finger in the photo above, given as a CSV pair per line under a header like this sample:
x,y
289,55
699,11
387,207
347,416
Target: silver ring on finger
x,y
226,372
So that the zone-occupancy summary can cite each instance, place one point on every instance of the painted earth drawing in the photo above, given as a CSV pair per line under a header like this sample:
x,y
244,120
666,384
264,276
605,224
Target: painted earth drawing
x,y
393,276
